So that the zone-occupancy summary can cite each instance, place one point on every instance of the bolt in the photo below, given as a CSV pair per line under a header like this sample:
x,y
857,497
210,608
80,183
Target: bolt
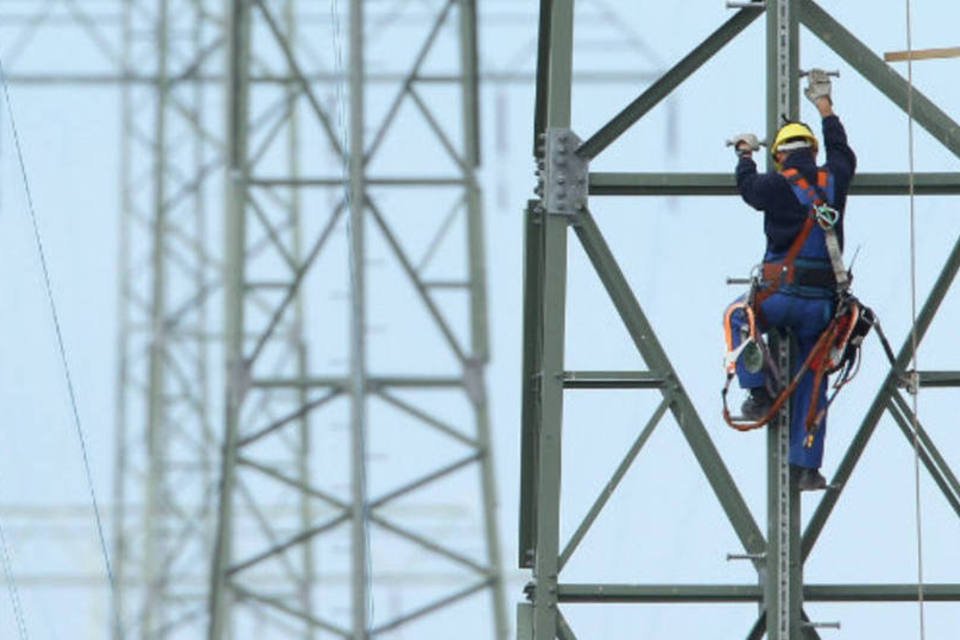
x,y
561,180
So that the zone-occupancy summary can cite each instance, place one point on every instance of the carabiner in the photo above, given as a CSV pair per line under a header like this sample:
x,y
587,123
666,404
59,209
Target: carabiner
x,y
826,216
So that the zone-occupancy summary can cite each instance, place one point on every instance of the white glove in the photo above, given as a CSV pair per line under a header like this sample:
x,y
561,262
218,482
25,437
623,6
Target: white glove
x,y
744,143
818,86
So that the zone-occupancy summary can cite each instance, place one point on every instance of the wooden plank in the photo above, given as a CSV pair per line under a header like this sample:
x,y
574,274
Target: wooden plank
x,y
922,54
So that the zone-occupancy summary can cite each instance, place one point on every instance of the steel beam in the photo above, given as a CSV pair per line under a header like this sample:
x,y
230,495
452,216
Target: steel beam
x,y
723,184
779,557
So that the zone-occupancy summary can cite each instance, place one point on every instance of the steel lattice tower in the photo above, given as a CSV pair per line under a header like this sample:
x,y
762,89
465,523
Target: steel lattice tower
x,y
166,457
566,212
355,204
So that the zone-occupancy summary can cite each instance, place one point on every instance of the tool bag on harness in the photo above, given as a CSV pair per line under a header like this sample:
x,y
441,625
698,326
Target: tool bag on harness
x,y
838,348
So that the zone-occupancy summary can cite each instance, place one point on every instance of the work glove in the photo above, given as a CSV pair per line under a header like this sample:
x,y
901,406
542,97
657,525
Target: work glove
x,y
818,86
744,143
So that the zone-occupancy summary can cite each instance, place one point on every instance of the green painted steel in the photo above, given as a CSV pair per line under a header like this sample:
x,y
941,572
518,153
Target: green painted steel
x,y
880,74
783,598
723,184
777,557
660,89
238,30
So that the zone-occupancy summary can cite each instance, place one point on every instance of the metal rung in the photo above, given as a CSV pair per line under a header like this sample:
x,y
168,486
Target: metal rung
x,y
612,380
731,280
835,74
821,625
746,556
746,5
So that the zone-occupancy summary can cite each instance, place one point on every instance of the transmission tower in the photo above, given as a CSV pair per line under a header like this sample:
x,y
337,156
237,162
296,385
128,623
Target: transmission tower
x,y
354,225
567,185
172,149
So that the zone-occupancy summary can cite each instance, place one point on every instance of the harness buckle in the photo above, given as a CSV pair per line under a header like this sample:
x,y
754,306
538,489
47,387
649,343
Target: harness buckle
x,y
825,215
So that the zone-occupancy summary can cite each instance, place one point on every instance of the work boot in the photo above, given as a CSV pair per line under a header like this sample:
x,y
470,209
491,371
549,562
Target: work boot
x,y
811,480
757,404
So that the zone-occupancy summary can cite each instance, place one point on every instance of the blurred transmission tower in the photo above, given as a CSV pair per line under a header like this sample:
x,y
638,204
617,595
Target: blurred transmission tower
x,y
354,224
166,441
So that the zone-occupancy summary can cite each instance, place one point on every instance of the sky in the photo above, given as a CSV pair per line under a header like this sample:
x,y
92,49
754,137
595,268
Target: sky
x,y
664,524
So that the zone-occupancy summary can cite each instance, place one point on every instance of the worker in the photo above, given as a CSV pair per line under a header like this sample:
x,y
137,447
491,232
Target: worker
x,y
804,303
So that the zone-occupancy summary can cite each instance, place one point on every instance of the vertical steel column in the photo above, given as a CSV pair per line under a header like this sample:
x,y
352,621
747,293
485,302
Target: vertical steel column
x,y
784,571
238,69
554,229
124,332
158,437
358,361
307,512
479,329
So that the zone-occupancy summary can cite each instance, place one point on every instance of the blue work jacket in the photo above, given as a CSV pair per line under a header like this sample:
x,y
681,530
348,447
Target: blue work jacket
x,y
783,214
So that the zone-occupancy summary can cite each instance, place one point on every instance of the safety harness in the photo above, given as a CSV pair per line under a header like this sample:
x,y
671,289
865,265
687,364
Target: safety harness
x,y
838,347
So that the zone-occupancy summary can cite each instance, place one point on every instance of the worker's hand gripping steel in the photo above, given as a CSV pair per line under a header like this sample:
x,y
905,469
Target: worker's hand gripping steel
x,y
744,143
818,86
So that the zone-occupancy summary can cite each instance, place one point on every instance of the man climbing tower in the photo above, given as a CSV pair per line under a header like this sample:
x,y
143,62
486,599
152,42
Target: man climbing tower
x,y
798,286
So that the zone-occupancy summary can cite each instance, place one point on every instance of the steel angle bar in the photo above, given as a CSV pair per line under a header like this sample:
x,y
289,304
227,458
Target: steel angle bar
x,y
724,184
430,608
732,593
613,380
394,109
291,60
426,418
564,632
667,83
936,464
279,423
272,233
530,387
437,130
859,442
659,593
280,605
681,406
910,592
880,75
427,544
425,480
290,542
422,291
613,483
759,628
543,75
93,30
442,231
295,284
938,379
280,477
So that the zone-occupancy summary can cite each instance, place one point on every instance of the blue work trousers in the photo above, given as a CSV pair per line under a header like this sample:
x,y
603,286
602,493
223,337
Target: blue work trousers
x,y
806,318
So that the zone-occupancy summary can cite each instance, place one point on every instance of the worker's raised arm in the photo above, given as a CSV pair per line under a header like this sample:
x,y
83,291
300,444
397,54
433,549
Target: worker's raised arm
x,y
755,188
841,160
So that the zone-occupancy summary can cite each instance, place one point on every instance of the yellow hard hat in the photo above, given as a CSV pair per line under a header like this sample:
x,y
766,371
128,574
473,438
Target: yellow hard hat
x,y
794,135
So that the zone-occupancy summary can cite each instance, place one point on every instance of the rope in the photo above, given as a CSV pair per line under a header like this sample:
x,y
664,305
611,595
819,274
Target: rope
x,y
61,346
918,513
12,586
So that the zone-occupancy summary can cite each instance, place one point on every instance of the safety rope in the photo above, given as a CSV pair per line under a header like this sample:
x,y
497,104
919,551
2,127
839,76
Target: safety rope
x,y
61,346
918,513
